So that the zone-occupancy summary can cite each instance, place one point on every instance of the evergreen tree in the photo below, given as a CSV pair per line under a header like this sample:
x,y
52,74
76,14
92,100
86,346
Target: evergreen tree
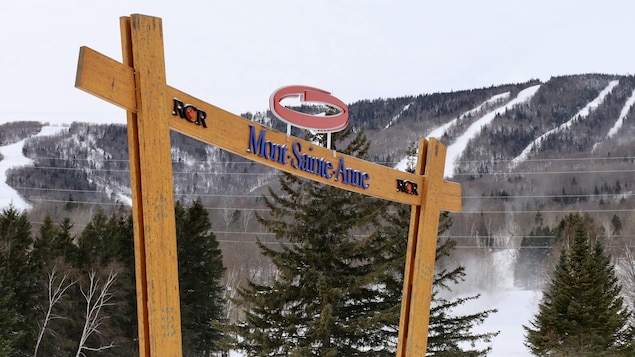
x,y
200,273
63,243
9,328
449,334
582,312
124,319
43,245
20,275
533,255
323,301
336,294
105,247
95,242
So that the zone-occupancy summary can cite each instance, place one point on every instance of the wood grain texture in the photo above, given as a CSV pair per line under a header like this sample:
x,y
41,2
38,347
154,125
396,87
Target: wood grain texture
x,y
137,211
421,252
156,188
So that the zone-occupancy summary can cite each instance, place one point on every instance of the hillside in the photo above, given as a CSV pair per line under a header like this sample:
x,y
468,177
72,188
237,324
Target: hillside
x,y
556,147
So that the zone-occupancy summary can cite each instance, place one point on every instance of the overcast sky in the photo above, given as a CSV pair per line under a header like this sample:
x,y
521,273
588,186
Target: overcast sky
x,y
234,54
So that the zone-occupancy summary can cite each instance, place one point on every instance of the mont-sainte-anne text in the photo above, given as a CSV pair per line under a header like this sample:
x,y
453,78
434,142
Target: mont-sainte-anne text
x,y
300,158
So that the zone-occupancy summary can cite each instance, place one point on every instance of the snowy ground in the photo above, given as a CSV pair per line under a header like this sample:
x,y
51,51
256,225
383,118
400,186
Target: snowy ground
x,y
515,309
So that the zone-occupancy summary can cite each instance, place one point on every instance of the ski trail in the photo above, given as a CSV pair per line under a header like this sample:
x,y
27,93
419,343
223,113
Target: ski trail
x,y
620,121
458,147
394,119
438,132
583,113
14,158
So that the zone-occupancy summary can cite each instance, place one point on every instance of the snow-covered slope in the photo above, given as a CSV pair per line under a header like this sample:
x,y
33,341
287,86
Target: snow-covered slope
x,y
13,158
441,130
623,115
456,149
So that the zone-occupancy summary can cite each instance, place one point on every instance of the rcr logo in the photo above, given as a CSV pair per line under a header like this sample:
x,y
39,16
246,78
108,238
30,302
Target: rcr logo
x,y
406,186
189,113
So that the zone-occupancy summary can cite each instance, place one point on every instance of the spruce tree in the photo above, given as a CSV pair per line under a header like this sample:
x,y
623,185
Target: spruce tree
x,y
323,300
20,276
124,319
9,328
582,312
95,242
63,246
449,334
533,256
337,293
200,273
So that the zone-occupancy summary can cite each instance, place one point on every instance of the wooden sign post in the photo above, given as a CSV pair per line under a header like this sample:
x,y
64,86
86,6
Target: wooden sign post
x,y
153,108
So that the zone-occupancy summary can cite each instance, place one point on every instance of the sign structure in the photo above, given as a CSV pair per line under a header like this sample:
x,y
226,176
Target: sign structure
x,y
320,124
138,85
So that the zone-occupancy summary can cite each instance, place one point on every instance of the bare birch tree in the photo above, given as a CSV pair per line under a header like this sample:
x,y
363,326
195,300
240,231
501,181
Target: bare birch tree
x,y
56,290
98,296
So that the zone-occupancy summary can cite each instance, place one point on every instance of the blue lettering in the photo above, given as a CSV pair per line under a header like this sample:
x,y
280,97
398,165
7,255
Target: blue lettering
x,y
259,145
256,147
363,183
329,167
264,148
296,148
341,172
282,154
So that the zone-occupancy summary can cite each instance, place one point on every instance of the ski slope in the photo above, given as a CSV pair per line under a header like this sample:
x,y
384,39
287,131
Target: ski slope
x,y
580,115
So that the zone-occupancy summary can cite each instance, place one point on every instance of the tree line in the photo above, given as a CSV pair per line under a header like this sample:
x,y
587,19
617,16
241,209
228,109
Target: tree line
x,y
74,295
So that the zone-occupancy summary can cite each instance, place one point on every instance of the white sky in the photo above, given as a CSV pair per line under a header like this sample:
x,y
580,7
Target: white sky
x,y
234,54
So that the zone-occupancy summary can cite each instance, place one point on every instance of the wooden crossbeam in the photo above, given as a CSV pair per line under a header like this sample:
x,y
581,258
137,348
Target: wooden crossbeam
x,y
231,132
138,85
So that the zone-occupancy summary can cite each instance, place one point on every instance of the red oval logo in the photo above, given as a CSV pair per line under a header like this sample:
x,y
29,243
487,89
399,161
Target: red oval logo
x,y
320,123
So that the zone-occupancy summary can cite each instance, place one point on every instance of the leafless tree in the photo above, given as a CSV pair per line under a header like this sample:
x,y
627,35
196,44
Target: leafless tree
x,y
232,282
98,296
57,287
626,271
